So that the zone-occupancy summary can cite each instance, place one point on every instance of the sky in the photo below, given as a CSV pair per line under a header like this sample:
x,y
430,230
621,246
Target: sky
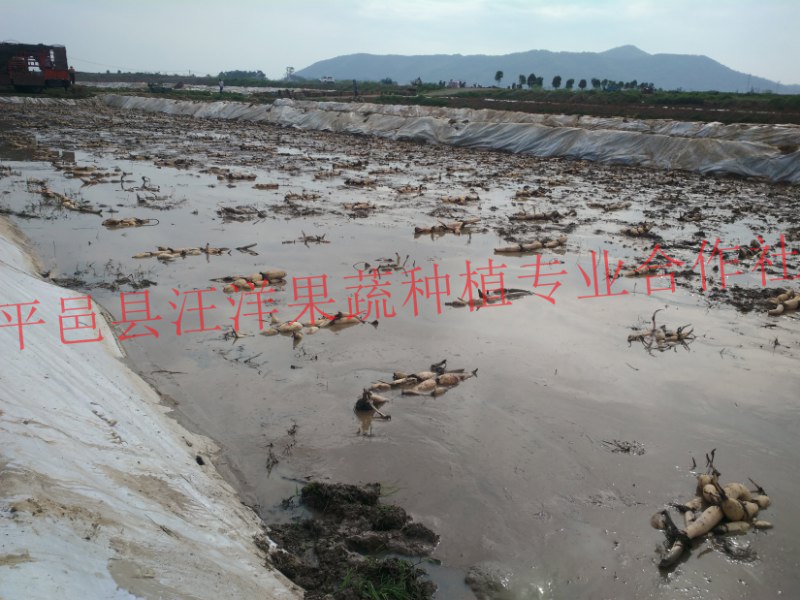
x,y
760,38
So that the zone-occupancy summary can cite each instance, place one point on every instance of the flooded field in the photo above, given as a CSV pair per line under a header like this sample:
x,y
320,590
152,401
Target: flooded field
x,y
543,469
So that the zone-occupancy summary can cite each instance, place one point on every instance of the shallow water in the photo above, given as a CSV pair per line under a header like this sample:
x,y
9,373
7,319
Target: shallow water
x,y
512,466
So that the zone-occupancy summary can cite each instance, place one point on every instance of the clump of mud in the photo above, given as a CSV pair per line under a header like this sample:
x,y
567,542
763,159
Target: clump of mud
x,y
337,554
490,581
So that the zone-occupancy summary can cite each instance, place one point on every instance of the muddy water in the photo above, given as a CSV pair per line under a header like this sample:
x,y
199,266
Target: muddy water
x,y
513,467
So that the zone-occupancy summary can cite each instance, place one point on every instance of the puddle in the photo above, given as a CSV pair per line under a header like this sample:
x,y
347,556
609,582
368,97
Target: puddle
x,y
512,467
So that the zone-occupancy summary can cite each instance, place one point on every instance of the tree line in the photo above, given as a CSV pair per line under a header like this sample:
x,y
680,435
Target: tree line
x,y
605,85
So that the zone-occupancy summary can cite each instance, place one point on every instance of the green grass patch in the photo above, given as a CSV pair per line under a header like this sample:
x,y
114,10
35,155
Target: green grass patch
x,y
387,579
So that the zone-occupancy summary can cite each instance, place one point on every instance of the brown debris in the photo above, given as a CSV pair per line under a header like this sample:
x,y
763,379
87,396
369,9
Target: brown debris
x,y
610,206
167,253
641,230
359,206
327,174
533,245
62,200
530,192
456,227
129,222
241,213
228,175
366,182
307,196
461,200
553,215
410,189
662,339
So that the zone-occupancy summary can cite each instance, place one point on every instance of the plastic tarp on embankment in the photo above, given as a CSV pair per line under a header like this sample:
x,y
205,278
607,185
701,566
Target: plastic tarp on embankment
x,y
101,495
765,151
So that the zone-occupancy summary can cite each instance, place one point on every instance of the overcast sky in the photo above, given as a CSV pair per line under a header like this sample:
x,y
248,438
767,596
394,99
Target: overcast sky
x,y
758,37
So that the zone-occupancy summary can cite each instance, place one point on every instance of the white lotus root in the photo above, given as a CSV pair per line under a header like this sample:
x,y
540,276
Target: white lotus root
x,y
784,302
423,382
296,329
434,382
731,508
253,282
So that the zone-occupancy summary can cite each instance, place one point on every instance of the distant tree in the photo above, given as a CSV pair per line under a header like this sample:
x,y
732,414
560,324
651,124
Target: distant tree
x,y
521,80
570,83
239,74
540,82
582,84
556,82
387,81
498,77
531,80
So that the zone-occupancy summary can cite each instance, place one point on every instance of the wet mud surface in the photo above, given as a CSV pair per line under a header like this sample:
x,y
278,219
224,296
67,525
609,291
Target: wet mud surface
x,y
345,548
542,471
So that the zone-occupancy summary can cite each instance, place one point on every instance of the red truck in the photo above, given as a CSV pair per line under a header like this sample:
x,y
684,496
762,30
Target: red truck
x,y
33,67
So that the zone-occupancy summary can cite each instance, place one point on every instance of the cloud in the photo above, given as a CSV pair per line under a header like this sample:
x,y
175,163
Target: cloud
x,y
420,10
579,10
565,12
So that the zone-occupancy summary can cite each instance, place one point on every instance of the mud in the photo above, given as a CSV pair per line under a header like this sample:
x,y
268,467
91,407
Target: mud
x,y
512,469
333,555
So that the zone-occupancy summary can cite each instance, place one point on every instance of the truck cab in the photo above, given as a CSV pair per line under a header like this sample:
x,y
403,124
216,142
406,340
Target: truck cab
x,y
33,67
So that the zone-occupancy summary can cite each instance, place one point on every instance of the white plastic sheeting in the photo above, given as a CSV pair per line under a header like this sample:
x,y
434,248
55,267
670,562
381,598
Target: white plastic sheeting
x,y
100,493
765,151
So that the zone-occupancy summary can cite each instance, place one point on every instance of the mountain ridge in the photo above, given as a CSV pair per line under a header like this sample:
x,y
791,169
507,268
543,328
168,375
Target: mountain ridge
x,y
689,72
